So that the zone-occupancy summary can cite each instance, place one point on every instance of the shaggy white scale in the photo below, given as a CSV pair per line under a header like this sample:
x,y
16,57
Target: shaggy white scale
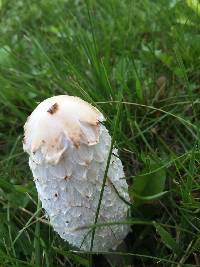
x,y
68,148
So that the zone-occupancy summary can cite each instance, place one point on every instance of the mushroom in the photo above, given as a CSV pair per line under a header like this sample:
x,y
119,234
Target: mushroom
x,y
68,148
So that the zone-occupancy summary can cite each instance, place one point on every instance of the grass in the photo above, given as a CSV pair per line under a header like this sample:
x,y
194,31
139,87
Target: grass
x,y
146,51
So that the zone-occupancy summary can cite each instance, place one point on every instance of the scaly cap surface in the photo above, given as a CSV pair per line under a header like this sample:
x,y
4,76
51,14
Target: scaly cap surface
x,y
58,117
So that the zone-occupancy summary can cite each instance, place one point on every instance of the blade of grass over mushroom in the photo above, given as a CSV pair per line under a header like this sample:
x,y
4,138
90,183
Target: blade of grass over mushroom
x,y
133,221
122,198
116,121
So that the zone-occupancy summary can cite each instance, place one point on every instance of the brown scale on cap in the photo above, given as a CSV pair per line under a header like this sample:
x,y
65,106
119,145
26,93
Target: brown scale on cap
x,y
87,162
67,177
53,109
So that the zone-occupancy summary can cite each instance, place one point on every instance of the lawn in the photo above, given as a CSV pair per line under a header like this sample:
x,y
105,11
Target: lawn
x,y
138,61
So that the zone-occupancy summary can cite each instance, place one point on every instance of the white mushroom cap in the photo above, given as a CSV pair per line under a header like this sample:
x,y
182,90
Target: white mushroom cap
x,y
60,116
